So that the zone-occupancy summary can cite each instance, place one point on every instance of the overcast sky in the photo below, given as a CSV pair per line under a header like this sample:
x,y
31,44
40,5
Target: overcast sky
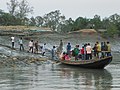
x,y
72,8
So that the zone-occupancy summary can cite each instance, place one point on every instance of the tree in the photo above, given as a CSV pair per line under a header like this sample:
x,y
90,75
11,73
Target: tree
x,y
105,23
32,21
67,26
12,6
19,10
53,19
112,30
80,23
96,22
115,19
39,21
24,9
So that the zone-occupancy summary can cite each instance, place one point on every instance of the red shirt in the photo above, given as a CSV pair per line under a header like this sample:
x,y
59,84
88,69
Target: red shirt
x,y
82,51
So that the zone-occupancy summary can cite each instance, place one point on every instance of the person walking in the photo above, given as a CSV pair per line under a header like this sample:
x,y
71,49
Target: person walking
x,y
31,44
36,47
13,40
21,44
43,49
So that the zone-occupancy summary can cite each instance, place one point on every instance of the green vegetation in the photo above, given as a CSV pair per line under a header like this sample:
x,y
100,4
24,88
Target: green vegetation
x,y
18,12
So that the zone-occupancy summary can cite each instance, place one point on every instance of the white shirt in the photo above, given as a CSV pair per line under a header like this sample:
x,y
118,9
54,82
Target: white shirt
x,y
30,44
20,41
13,39
43,48
89,49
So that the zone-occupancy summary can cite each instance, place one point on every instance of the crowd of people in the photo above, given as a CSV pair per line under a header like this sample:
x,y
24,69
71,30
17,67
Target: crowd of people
x,y
86,52
34,46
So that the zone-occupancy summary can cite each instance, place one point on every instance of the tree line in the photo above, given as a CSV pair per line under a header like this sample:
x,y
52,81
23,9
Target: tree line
x,y
19,11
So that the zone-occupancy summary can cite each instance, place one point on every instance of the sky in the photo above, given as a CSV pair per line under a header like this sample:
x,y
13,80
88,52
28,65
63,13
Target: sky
x,y
72,8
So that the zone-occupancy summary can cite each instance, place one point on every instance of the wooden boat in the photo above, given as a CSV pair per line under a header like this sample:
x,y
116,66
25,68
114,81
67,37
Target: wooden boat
x,y
91,64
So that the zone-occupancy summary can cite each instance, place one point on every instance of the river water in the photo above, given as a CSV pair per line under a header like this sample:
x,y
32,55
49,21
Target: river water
x,y
54,76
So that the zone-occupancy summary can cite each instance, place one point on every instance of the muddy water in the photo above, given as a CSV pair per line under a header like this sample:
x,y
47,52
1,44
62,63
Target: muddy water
x,y
54,76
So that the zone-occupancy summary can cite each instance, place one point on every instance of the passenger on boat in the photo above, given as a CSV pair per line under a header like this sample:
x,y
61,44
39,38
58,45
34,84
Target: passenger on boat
x,y
95,50
89,51
103,49
67,57
108,49
85,53
98,50
82,53
68,48
62,56
76,52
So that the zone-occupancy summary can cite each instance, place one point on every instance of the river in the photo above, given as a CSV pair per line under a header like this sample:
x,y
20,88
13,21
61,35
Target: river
x,y
54,76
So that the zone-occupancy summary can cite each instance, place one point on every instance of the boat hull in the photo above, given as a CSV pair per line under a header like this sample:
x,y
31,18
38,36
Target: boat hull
x,y
91,64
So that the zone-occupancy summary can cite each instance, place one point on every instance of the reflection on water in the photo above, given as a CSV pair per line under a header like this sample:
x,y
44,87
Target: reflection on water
x,y
88,79
54,77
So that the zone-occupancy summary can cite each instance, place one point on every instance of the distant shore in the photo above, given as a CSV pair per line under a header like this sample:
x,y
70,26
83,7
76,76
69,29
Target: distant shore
x,y
22,28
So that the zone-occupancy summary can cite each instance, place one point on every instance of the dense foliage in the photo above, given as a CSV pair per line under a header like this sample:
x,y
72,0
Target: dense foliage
x,y
18,12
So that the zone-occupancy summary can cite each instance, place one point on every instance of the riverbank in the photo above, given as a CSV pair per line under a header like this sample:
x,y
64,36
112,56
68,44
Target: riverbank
x,y
21,28
14,56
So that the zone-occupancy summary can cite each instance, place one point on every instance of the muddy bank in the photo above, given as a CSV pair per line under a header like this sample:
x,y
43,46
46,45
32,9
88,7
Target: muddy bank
x,y
13,57
7,54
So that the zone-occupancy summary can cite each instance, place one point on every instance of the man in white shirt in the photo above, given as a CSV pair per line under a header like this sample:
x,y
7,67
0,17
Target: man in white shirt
x,y
89,51
43,49
12,40
31,44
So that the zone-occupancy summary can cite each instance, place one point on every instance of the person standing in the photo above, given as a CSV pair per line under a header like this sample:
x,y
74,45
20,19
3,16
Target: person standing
x,y
13,40
108,49
95,50
31,44
60,48
98,49
69,48
76,52
53,52
82,52
21,44
89,51
85,52
36,47
61,45
43,49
